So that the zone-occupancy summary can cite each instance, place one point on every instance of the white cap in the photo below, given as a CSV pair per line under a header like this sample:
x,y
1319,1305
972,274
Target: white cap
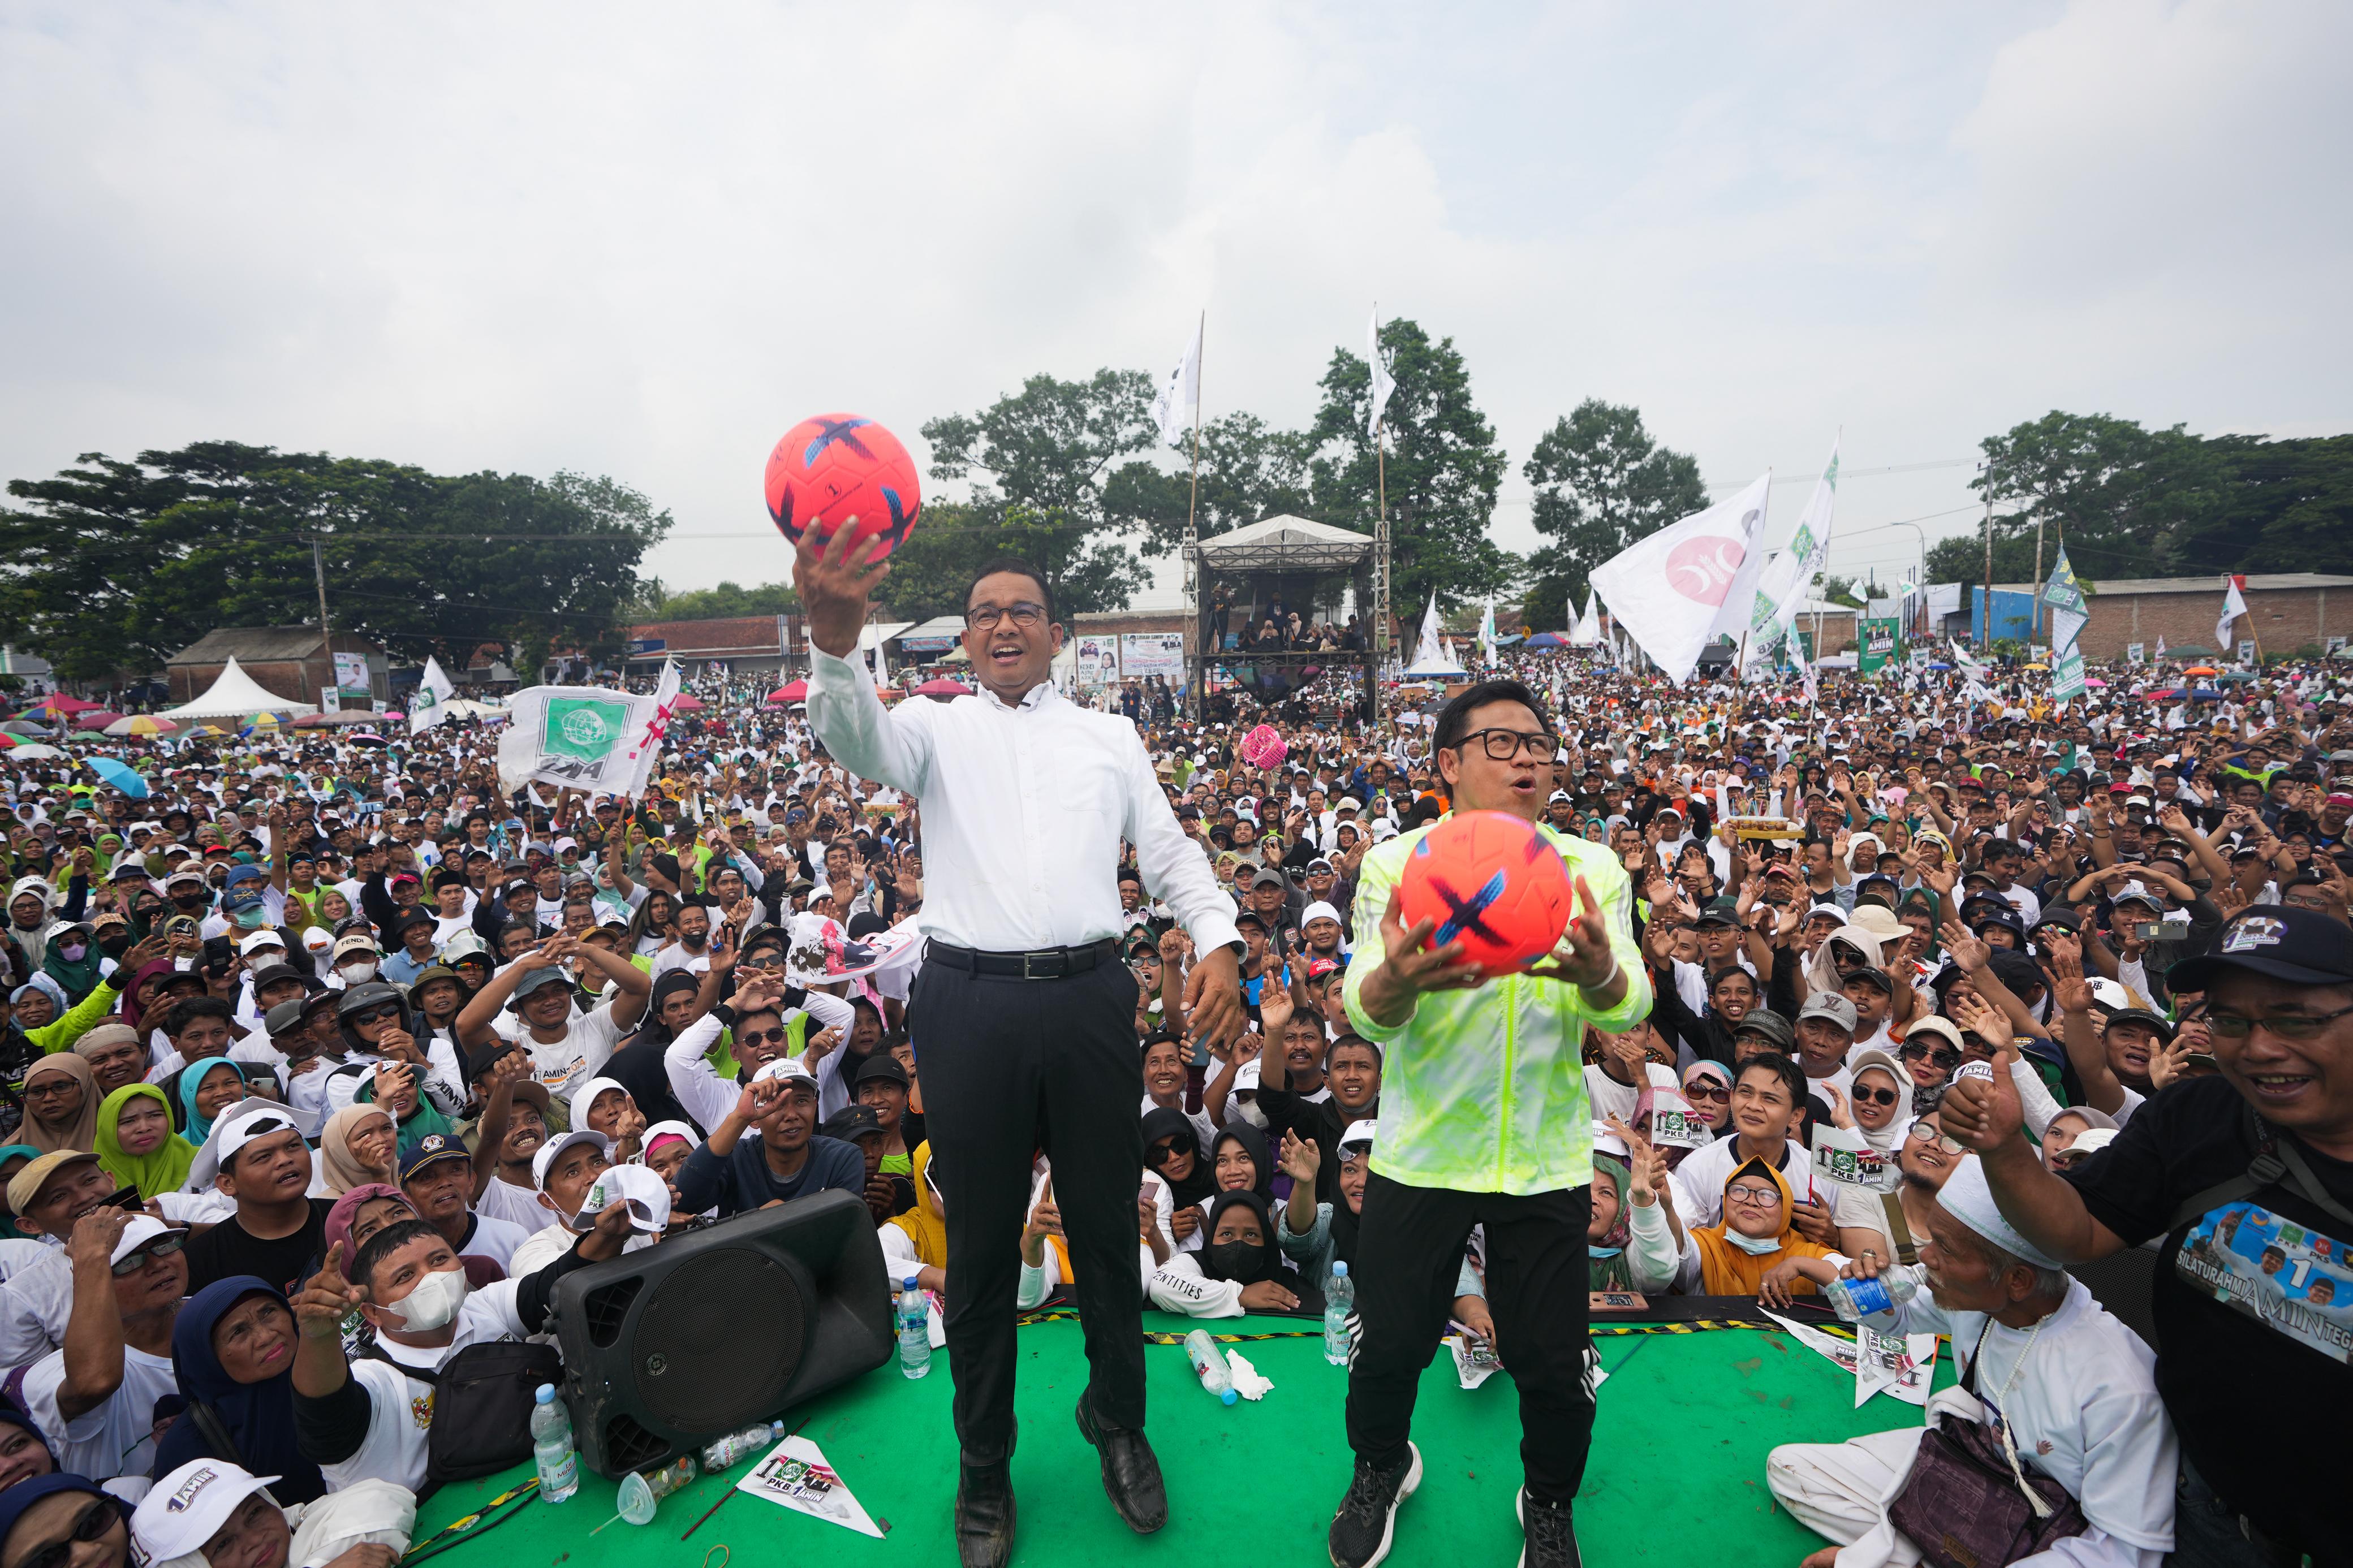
x,y
2091,1139
1245,1076
141,1230
549,1152
787,1069
260,939
1358,1132
1321,910
190,1506
1966,1196
250,1121
646,1195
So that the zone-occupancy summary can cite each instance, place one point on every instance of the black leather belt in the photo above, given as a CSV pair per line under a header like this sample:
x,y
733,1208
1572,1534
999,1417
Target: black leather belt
x,y
1043,963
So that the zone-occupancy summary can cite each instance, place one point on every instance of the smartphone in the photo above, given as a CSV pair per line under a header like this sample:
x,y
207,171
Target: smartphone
x,y
125,1198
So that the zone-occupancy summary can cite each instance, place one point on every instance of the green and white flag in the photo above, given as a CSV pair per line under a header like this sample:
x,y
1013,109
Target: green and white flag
x,y
586,737
429,704
1782,587
2064,593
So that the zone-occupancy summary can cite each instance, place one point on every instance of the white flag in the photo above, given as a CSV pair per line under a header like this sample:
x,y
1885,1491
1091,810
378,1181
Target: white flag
x,y
1670,591
1427,649
429,704
585,737
2235,605
1383,381
1487,649
2160,648
1178,408
1786,581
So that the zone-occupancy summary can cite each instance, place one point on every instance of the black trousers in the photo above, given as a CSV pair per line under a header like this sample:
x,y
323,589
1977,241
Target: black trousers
x,y
1010,1067
1409,1252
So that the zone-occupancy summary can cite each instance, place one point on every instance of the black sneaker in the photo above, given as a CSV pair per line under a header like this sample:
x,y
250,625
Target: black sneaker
x,y
1551,1534
1359,1536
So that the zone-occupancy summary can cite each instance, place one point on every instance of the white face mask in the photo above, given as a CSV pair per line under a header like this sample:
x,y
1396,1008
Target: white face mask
x,y
1755,1246
1252,1114
354,973
433,1302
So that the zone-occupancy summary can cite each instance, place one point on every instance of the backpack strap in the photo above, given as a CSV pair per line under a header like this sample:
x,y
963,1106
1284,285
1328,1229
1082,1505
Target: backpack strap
x,y
2278,1163
374,1350
208,1423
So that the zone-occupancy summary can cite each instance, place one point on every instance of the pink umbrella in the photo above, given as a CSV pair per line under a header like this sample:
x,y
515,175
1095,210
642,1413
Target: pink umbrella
x,y
940,686
791,691
96,718
688,704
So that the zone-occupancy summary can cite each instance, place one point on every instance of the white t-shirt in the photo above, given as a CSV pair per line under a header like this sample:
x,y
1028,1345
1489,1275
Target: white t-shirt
x,y
495,1240
115,1437
517,1207
400,1407
34,1306
587,1045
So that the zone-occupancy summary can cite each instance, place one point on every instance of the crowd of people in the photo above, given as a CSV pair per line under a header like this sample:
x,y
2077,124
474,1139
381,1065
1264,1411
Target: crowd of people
x,y
317,1050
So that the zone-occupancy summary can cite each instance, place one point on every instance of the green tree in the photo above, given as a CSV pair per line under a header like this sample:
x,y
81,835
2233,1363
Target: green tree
x,y
725,602
1038,462
2288,507
1249,470
113,565
932,571
1837,590
1443,469
1601,483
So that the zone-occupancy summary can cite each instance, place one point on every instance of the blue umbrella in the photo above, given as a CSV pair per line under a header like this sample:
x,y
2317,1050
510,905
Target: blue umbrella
x,y
121,775
1547,641
2205,694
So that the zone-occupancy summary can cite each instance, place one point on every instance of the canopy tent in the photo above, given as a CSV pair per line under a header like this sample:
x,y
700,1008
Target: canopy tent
x,y
237,695
1281,555
1285,543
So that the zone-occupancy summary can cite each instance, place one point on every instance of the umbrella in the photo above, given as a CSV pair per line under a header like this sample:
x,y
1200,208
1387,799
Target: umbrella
x,y
58,705
2205,694
2095,684
143,724
2189,650
31,752
943,688
24,727
2200,669
791,691
1546,639
366,738
688,704
396,716
121,774
96,718
2235,678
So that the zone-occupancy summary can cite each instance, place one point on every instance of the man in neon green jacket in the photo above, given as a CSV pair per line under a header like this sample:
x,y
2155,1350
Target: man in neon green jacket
x,y
1484,1121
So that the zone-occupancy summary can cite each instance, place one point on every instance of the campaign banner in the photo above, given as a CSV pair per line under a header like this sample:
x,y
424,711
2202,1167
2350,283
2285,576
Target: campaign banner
x,y
351,674
1142,654
1098,661
1883,642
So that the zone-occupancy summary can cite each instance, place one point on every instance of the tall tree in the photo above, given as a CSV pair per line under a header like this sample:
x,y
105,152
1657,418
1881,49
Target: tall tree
x,y
932,571
1038,462
2120,496
113,565
1443,469
1601,483
728,601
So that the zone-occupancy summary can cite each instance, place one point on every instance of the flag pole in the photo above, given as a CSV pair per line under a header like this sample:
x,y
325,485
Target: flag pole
x,y
1192,535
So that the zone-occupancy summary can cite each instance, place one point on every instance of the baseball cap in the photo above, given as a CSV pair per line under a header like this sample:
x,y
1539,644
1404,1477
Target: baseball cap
x,y
432,1147
190,1506
881,1065
852,1122
2280,942
789,1070
355,942
553,1148
1828,1004
141,1230
646,1195
2146,1019
266,1119
1562,796
1267,879
275,973
1942,1028
260,939
1359,1135
1718,912
1770,1025
26,1185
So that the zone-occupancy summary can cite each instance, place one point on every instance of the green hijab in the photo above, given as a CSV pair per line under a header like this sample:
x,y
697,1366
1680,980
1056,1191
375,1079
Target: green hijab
x,y
163,1169
418,1124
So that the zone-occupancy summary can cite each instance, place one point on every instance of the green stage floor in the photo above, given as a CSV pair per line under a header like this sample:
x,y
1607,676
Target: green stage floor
x,y
1686,1419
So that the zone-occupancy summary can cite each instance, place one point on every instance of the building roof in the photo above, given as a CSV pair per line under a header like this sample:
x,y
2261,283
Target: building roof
x,y
739,637
253,645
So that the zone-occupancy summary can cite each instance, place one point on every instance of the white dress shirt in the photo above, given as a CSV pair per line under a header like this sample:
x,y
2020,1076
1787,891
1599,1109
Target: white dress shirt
x,y
1024,809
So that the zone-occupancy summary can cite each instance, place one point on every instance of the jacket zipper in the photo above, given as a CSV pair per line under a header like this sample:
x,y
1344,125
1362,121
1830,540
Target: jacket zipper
x,y
1510,1037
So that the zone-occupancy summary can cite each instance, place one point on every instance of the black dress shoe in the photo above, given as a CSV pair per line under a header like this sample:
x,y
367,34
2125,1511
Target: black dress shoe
x,y
1130,1474
984,1515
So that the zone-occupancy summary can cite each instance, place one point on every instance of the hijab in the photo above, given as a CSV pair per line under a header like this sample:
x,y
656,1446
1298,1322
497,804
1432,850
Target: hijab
x,y
192,1079
258,1418
47,984
81,1131
338,1163
418,1125
346,1212
1162,1123
1253,1142
1728,1269
1888,1140
133,1014
17,1499
79,976
924,1225
1237,1261
1608,1264
163,1169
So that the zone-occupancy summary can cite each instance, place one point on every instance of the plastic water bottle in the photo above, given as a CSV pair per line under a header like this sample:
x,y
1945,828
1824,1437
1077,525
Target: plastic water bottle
x,y
737,1446
1855,1299
1210,1364
914,1331
551,1447
1339,1301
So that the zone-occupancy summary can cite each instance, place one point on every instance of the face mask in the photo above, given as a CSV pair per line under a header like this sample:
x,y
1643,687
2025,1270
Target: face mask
x,y
188,900
1236,1260
71,952
1755,1246
434,1302
694,940
250,918
114,946
354,973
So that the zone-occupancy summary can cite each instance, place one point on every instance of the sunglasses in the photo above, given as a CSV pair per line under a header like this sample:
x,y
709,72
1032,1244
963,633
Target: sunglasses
x,y
162,1246
102,1515
374,1015
1940,1056
762,1036
1874,1096
1707,1091
767,957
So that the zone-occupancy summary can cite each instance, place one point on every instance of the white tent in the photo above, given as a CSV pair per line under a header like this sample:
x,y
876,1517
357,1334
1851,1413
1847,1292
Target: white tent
x,y
237,695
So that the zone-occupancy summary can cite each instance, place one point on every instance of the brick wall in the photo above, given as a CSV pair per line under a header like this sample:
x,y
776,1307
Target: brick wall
x,y
2281,619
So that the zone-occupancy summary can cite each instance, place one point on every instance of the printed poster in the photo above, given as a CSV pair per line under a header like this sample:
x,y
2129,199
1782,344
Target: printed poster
x,y
1842,1156
796,1476
2292,1280
1146,654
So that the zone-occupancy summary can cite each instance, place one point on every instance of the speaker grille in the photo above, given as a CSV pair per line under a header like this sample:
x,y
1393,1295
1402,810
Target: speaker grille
x,y
629,1447
606,1309
735,1298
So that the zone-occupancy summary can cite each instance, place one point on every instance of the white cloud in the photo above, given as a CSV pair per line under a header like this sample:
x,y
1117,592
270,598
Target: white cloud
x,y
643,241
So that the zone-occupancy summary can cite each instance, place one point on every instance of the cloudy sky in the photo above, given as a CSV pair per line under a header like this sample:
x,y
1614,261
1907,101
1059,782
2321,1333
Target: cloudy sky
x,y
644,240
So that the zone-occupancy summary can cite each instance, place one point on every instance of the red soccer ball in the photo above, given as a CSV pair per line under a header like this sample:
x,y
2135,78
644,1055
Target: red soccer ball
x,y
1492,882
837,466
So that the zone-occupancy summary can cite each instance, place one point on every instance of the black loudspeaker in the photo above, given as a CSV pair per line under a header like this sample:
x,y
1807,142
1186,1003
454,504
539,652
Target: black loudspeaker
x,y
669,1348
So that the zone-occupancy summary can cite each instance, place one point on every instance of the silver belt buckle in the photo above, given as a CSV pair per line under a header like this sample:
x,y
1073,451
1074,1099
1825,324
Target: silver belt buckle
x,y
1029,960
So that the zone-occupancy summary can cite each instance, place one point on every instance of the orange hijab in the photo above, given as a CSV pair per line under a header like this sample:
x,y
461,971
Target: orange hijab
x,y
1727,1271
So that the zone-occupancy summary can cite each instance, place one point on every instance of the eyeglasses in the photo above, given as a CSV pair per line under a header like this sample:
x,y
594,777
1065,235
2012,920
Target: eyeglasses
x,y
374,1015
985,618
1502,745
162,1246
766,959
1921,1131
102,1515
1707,1091
1753,1197
2296,1027
1874,1096
1938,1056
761,1038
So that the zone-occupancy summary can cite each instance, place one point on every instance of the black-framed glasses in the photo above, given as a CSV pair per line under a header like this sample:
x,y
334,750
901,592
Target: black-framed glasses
x,y
2297,1027
102,1514
985,618
761,1038
767,957
1875,1097
162,1246
1502,745
1944,1056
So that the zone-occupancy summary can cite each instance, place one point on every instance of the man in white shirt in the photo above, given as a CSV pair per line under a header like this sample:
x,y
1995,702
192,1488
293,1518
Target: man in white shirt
x,y
567,1046
1023,1015
94,1397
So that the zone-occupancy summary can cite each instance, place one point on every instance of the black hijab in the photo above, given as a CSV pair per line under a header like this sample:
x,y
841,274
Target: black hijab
x,y
1253,1142
1164,1122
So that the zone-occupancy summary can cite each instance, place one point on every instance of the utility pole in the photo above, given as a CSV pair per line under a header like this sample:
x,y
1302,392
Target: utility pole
x,y
327,638
2035,587
1987,624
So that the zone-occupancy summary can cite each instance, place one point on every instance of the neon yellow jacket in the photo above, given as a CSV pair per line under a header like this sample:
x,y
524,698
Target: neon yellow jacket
x,y
1483,1090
